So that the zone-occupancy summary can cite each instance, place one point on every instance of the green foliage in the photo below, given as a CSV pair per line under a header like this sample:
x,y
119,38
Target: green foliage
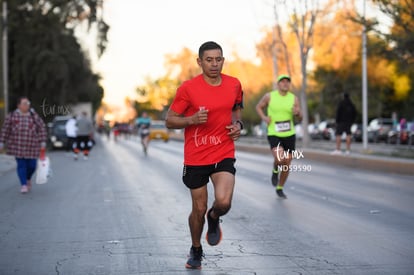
x,y
46,62
401,36
390,66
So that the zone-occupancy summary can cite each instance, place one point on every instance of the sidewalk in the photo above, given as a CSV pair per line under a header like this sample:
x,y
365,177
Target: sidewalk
x,y
377,158
7,163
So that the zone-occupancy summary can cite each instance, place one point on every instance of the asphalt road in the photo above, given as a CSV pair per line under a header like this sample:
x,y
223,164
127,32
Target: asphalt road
x,y
123,213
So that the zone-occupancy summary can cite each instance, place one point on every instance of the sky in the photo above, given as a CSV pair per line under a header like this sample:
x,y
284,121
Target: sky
x,y
142,32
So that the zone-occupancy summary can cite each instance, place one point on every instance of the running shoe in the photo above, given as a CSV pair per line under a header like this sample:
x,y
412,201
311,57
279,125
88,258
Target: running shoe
x,y
336,152
194,258
275,178
281,194
23,189
214,234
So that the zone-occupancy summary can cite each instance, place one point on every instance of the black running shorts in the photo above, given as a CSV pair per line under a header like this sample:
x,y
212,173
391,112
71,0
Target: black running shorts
x,y
198,176
343,127
288,143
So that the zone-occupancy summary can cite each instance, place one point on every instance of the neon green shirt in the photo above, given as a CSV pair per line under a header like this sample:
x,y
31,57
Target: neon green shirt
x,y
280,112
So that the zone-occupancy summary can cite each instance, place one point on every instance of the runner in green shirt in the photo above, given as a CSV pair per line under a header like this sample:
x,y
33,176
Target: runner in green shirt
x,y
282,108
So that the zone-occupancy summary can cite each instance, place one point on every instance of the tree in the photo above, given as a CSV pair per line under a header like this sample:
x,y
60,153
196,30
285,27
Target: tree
x,y
400,40
302,23
401,36
395,45
156,94
183,66
338,58
279,47
46,62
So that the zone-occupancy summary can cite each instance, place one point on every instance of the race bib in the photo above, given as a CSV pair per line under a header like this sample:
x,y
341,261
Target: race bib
x,y
282,126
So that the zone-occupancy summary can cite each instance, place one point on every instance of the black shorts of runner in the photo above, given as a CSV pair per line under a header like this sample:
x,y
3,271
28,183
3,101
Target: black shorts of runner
x,y
343,127
198,176
83,143
288,143
144,132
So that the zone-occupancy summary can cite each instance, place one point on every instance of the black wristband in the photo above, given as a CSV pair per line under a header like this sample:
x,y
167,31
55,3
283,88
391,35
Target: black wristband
x,y
240,123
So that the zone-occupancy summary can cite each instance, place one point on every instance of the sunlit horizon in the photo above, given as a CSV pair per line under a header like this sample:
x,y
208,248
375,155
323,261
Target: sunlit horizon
x,y
142,33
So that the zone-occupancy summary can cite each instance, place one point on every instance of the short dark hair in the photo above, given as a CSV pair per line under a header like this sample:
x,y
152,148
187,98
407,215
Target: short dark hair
x,y
21,98
209,45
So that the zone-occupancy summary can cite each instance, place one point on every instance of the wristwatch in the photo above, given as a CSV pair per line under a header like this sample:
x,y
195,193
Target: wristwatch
x,y
240,123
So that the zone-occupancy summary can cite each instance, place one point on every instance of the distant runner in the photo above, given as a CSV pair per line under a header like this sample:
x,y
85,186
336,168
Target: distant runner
x,y
143,125
282,108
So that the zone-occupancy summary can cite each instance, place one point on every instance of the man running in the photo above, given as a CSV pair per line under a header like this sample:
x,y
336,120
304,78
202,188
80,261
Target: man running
x,y
143,125
209,108
282,109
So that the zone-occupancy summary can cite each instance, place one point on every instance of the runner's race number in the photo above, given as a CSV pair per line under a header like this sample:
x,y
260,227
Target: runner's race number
x,y
282,126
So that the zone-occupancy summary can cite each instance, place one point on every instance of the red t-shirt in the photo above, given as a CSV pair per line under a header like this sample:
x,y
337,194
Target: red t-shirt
x,y
208,143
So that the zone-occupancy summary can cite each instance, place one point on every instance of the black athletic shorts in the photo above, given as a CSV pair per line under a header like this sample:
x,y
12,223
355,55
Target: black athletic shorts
x,y
288,143
198,176
343,127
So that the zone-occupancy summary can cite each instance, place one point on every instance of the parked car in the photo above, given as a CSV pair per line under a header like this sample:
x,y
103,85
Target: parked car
x,y
411,134
378,129
57,137
260,130
158,130
299,131
313,131
396,136
356,131
327,129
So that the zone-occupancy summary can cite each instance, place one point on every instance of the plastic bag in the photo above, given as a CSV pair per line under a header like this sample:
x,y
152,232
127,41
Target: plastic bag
x,y
43,170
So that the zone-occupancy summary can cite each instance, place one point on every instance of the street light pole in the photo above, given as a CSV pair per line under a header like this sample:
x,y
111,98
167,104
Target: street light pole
x,y
5,60
364,83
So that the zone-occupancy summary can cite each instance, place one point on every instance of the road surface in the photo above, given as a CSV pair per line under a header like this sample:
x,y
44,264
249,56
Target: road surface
x,y
123,213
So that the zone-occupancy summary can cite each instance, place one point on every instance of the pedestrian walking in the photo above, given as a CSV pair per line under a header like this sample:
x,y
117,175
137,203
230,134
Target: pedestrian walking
x,y
282,109
345,116
24,136
208,107
71,130
84,136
